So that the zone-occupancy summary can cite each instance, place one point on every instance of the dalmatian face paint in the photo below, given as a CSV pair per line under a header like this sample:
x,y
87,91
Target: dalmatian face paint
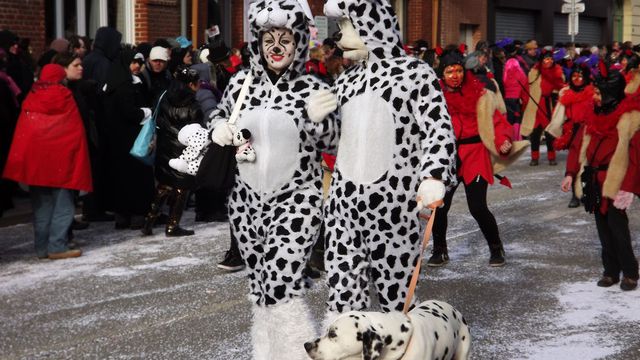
x,y
278,49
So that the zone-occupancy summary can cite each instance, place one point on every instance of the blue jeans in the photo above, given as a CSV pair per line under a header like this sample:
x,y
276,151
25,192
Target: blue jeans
x,y
53,211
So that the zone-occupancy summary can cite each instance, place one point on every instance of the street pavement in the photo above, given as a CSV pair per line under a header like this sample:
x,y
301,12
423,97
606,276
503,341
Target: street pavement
x,y
133,297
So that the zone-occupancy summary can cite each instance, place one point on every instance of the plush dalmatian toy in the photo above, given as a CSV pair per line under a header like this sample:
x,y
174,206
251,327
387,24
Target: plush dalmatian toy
x,y
244,150
396,154
196,139
275,205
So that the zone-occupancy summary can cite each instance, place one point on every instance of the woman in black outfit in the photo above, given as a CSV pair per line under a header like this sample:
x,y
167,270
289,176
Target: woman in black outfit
x,y
126,105
178,107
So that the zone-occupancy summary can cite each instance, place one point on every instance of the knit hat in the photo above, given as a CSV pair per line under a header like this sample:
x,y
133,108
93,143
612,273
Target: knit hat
x,y
60,45
159,53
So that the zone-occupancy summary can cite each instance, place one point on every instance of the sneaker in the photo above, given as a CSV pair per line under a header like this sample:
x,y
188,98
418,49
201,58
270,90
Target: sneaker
x,y
533,162
607,281
71,253
438,259
232,262
497,258
628,284
574,203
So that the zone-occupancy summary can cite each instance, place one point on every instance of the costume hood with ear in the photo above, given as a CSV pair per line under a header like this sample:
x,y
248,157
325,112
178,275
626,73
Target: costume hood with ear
x,y
289,14
383,43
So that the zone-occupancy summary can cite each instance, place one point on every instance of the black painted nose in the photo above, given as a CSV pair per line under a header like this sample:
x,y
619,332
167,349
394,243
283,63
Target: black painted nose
x,y
277,50
308,346
337,36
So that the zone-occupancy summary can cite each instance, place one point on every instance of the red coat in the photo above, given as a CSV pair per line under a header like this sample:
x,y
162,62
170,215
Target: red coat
x,y
552,80
475,159
602,145
49,146
578,108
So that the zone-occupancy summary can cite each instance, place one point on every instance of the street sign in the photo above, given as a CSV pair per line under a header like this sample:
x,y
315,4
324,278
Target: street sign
x,y
569,8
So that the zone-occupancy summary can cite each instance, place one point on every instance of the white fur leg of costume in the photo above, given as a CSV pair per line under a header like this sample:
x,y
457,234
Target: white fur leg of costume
x,y
260,328
291,326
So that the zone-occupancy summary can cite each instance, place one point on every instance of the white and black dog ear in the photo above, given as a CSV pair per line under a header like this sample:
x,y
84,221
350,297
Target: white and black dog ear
x,y
373,344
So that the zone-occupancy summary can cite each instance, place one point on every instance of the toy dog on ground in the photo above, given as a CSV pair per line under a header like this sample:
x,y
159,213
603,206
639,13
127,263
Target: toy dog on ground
x,y
432,330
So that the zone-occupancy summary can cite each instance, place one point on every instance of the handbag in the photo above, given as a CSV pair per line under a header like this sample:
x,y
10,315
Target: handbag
x,y
144,148
218,165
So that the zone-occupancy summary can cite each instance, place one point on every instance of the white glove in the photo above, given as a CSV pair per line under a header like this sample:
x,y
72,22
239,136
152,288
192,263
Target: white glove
x,y
321,104
429,192
147,112
623,200
223,134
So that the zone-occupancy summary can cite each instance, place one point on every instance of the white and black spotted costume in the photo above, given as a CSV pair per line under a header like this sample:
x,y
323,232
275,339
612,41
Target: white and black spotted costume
x,y
275,207
395,131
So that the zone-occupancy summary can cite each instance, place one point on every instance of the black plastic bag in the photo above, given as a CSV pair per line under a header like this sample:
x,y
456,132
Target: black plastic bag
x,y
218,168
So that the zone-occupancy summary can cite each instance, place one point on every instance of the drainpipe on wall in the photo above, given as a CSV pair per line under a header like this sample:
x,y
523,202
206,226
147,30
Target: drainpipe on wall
x,y
435,23
194,22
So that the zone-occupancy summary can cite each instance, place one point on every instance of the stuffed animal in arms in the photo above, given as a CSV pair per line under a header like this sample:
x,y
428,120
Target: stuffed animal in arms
x,y
196,139
242,141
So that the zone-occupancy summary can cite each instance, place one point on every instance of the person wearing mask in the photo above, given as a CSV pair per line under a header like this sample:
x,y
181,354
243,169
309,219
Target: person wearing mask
x,y
49,153
608,169
482,135
126,107
545,79
574,107
178,107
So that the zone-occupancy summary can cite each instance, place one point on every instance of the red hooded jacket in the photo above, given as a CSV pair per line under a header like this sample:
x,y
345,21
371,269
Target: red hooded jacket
x,y
49,146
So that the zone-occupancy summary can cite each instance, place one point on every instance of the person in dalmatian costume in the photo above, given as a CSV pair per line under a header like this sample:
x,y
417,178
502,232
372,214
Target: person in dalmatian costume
x,y
396,155
275,205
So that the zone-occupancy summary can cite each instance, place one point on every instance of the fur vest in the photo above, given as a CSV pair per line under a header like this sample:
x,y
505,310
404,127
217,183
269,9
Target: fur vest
x,y
626,127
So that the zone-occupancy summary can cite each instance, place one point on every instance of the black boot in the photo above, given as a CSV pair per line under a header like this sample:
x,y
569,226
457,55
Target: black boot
x,y
574,203
439,257
156,205
173,228
497,256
